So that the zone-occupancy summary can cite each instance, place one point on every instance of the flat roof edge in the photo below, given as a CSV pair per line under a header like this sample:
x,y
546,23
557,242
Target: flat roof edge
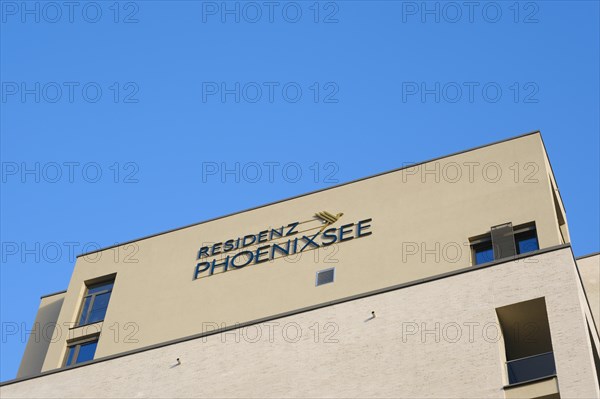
x,y
312,192
588,255
297,311
52,294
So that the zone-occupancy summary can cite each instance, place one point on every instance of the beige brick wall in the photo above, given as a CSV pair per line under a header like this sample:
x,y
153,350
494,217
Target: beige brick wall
x,y
369,357
589,269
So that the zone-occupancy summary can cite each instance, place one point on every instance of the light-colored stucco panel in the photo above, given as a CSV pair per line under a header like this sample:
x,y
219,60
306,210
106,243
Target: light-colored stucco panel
x,y
432,210
43,332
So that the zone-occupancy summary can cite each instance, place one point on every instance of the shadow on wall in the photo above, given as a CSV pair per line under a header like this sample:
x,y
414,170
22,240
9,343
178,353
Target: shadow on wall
x,y
41,335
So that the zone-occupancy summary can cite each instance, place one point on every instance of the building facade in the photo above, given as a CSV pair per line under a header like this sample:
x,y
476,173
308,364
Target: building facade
x,y
448,278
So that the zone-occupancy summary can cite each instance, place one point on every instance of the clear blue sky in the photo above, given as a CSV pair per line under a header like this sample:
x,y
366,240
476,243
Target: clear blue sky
x,y
161,115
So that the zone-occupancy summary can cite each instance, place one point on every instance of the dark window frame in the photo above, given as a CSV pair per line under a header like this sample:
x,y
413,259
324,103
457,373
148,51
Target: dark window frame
x,y
525,229
85,321
487,238
77,345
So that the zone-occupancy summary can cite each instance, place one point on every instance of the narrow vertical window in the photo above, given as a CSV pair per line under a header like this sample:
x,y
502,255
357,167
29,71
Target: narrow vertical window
x,y
95,302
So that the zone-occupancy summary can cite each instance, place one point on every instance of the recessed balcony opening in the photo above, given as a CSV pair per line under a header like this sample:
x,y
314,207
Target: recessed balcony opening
x,y
527,341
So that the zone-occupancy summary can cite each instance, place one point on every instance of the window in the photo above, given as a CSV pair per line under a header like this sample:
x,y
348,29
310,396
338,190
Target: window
x,y
504,241
483,252
526,241
95,302
81,351
325,276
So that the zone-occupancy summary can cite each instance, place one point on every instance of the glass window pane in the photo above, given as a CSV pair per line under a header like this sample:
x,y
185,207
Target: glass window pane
x,y
100,287
71,352
99,308
483,253
527,242
531,368
87,351
84,310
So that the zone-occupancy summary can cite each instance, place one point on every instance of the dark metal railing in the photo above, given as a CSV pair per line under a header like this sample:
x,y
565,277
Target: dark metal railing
x,y
531,368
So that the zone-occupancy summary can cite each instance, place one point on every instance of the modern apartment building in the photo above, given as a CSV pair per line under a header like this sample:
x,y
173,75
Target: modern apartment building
x,y
448,278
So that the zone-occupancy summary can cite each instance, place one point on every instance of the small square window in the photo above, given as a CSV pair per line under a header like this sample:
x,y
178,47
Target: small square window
x,y
325,276
81,351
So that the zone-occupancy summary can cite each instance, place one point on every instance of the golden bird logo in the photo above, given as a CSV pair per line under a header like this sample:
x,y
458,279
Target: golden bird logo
x,y
328,218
